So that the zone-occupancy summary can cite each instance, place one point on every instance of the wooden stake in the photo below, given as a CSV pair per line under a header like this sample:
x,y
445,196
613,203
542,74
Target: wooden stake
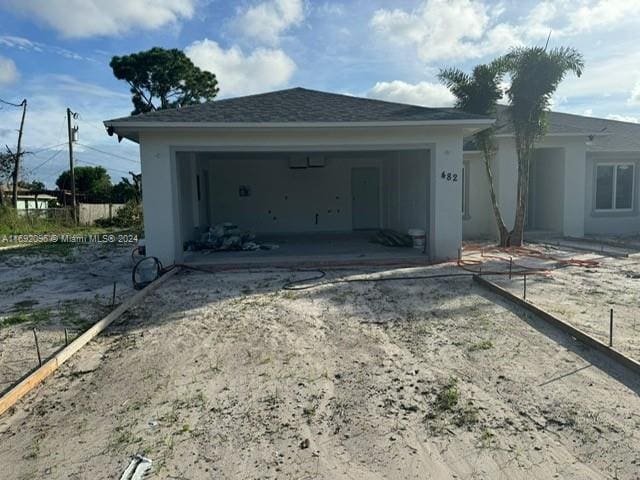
x,y
579,335
611,328
34,379
35,336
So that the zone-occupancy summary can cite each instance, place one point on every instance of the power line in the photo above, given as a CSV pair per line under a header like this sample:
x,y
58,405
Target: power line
x,y
11,103
108,153
98,165
92,125
55,154
44,149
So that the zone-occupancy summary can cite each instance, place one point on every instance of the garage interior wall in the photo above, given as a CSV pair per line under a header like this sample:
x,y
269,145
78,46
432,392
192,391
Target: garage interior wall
x,y
262,193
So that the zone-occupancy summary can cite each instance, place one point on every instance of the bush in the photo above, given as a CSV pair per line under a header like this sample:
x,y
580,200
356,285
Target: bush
x,y
13,222
129,216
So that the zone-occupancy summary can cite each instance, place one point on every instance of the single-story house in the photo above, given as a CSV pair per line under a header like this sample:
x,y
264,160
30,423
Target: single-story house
x,y
300,160
34,201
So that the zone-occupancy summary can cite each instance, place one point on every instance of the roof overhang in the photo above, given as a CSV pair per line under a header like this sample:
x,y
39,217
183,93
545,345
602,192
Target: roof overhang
x,y
132,129
566,135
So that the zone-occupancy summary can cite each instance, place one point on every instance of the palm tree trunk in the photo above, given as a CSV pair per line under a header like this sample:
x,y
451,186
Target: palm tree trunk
x,y
502,228
524,160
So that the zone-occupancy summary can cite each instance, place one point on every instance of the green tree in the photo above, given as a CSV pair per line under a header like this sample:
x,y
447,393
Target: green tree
x,y
93,183
34,185
161,78
535,75
479,93
124,191
6,170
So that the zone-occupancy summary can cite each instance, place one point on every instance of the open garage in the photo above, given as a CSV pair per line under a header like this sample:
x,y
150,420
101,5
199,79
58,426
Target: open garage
x,y
300,162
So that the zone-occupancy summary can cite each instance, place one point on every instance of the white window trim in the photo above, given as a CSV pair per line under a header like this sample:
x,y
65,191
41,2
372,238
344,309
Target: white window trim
x,y
615,166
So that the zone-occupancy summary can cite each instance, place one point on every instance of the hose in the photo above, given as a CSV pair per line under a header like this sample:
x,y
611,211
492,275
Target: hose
x,y
141,277
467,265
296,284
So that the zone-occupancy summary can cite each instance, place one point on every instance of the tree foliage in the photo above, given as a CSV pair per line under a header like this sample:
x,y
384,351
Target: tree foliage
x,y
161,79
6,166
124,191
34,185
479,93
535,74
93,183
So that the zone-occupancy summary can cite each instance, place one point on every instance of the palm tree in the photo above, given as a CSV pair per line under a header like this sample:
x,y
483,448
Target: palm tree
x,y
478,93
535,76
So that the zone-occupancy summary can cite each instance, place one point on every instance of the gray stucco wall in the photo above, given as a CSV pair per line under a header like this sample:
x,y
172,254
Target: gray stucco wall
x,y
546,195
478,221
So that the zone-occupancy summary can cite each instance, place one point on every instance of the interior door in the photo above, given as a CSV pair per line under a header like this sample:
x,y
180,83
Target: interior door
x,y
365,195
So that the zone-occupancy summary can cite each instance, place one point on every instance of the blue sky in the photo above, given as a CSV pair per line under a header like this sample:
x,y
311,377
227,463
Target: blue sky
x,y
56,53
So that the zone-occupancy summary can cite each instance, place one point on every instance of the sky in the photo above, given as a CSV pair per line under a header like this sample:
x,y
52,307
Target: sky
x,y
56,53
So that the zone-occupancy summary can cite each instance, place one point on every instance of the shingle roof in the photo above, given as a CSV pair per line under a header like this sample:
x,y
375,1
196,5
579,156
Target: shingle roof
x,y
299,105
558,123
610,135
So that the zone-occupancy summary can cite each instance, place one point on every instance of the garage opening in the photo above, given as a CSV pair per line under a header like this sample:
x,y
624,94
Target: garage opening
x,y
304,204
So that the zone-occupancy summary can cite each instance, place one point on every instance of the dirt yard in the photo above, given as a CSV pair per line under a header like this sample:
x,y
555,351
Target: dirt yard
x,y
585,296
50,289
230,376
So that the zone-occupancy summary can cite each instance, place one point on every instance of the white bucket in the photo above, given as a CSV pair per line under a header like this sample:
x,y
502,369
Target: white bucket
x,y
418,236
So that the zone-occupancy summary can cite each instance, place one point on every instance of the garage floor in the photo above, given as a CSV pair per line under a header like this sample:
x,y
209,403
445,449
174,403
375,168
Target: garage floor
x,y
313,249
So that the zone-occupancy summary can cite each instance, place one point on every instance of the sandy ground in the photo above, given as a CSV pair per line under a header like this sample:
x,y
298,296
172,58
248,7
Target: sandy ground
x,y
585,296
229,376
52,290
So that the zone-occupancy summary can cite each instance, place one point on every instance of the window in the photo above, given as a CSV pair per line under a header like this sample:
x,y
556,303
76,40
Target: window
x,y
614,186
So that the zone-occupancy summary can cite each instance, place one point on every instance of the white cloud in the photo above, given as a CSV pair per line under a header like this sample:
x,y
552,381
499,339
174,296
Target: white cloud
x,y
571,17
601,76
446,29
86,18
331,9
8,71
45,125
239,73
634,98
457,30
421,93
594,14
25,44
268,20
623,118
20,43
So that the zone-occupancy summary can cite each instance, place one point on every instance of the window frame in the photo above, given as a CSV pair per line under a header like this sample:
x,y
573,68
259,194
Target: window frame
x,y
614,180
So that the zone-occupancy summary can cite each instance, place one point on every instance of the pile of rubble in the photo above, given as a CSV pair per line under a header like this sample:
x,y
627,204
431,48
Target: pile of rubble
x,y
225,237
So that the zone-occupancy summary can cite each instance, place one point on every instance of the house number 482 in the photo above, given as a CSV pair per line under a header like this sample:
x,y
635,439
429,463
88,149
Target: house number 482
x,y
449,177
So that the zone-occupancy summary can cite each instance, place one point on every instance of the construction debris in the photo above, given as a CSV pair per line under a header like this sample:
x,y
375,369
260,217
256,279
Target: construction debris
x,y
391,238
138,466
224,237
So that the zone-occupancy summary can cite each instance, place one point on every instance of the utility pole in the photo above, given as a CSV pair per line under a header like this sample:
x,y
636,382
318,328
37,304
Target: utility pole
x,y
18,154
72,173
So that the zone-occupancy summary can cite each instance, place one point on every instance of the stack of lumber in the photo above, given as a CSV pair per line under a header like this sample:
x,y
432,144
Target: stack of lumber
x,y
391,238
